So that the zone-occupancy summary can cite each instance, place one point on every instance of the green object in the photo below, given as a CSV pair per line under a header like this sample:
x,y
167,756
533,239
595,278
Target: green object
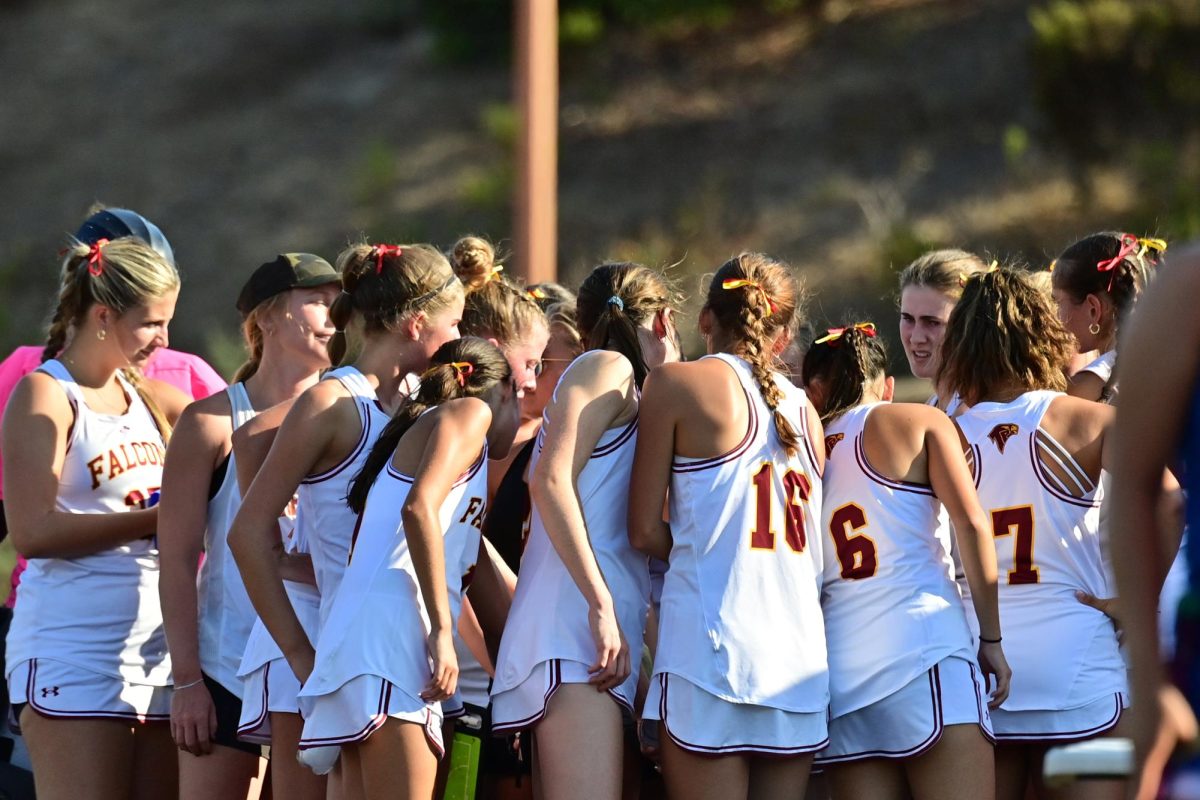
x,y
464,767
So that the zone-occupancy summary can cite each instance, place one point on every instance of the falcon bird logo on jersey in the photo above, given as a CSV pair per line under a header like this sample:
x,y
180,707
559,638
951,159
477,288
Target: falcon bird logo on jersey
x,y
831,440
1002,433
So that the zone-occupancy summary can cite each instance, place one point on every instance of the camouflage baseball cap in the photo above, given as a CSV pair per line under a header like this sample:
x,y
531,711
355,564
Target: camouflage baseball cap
x,y
288,271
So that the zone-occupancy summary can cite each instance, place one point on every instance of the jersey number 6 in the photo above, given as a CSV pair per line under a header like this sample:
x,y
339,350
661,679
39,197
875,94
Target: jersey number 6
x,y
856,552
796,491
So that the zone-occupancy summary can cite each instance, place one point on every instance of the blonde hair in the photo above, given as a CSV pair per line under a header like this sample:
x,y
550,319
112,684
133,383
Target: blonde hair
x,y
494,306
613,301
946,271
763,304
119,274
252,334
386,283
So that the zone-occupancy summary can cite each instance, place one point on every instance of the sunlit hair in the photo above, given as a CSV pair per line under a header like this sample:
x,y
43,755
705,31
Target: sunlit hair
x,y
495,307
844,366
562,318
945,271
252,334
384,284
1077,271
1003,336
549,293
755,299
615,299
446,379
119,274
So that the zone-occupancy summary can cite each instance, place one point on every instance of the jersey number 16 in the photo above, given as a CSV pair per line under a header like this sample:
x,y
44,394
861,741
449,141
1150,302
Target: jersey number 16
x,y
796,491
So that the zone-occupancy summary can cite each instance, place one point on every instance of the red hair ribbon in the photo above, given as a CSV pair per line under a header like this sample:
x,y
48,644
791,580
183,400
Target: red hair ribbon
x,y
1129,246
536,293
833,334
462,371
95,260
382,250
738,283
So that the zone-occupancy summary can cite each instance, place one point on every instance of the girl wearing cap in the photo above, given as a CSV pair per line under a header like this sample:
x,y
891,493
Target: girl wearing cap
x,y
410,302
286,325
569,671
84,437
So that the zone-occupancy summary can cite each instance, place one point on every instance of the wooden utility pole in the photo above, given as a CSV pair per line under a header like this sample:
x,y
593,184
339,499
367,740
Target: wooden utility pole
x,y
535,207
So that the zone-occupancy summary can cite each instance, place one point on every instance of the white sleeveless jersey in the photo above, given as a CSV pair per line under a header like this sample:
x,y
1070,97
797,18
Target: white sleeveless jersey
x,y
324,523
741,613
99,612
532,635
1063,653
225,612
378,623
891,609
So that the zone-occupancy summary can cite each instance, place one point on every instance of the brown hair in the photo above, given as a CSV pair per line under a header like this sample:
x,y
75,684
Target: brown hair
x,y
1077,272
495,308
562,317
385,284
761,302
613,301
439,383
1003,334
548,294
252,334
943,270
120,274
844,365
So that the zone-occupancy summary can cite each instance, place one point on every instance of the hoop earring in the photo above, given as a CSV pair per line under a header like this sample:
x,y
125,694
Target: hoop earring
x,y
1094,328
100,334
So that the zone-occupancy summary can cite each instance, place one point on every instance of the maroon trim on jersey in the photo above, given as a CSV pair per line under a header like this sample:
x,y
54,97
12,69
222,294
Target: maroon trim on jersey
x,y
245,731
935,735
981,707
860,456
1066,736
51,713
730,749
373,724
622,437
1050,487
679,466
364,417
471,472
555,682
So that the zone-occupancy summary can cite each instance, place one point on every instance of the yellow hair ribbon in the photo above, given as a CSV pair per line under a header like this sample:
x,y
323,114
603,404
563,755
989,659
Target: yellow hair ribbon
x,y
536,293
1147,244
494,275
462,371
1053,264
738,283
833,334
992,267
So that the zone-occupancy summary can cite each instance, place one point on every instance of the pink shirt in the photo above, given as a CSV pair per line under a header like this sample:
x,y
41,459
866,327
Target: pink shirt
x,y
190,374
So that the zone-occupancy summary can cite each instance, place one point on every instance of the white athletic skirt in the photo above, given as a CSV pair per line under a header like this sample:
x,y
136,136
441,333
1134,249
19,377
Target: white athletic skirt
x,y
524,705
59,690
1068,725
909,722
272,688
704,723
356,710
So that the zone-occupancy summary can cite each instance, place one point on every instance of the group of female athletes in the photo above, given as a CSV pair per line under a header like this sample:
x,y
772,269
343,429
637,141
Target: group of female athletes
x,y
746,568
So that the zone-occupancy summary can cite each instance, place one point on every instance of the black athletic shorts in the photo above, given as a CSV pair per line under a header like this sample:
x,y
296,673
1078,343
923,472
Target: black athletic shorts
x,y
229,712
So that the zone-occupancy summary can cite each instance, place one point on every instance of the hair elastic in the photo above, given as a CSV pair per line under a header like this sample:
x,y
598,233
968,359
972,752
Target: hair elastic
x,y
618,302
462,371
95,260
382,250
832,335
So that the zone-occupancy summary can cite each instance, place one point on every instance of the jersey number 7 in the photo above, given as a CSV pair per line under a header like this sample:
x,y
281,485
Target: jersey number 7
x,y
796,491
1017,522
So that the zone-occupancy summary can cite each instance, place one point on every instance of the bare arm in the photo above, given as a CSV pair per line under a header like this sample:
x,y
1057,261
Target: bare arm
x,y
197,446
443,460
305,436
591,397
1156,397
651,478
36,423
952,483
491,592
252,442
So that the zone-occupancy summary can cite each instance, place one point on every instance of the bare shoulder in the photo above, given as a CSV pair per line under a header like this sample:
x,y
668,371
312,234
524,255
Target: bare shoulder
x,y
208,420
40,392
912,415
469,413
598,368
1076,417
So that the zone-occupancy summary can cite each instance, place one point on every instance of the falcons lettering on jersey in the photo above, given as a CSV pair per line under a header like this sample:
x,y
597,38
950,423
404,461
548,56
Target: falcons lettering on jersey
x,y
473,516
1002,433
123,458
